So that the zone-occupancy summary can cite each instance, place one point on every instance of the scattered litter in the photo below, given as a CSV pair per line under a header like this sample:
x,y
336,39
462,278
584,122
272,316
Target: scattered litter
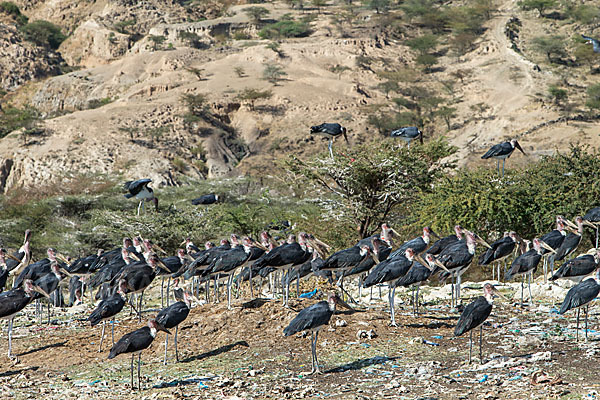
x,y
437,337
430,343
340,323
483,379
364,334
308,295
540,377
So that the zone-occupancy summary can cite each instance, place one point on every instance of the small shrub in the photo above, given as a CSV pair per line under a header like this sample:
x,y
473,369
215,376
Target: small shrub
x,y
10,8
96,103
179,164
273,73
285,29
43,33
557,94
593,94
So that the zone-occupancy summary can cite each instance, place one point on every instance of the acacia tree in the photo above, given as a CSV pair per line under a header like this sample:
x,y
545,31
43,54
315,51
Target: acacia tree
x,y
367,183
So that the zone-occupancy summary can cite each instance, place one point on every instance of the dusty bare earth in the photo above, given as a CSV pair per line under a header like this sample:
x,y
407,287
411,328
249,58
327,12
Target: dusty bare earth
x,y
242,354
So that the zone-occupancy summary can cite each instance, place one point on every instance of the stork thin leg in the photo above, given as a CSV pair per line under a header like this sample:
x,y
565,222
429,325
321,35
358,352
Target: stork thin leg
x,y
470,345
577,328
392,295
312,353
229,283
413,301
162,292
330,148
522,288
586,318
132,355
216,290
102,336
596,236
529,284
140,306
139,367
503,161
316,369
250,282
112,330
452,301
298,285
498,168
10,327
166,344
168,287
138,213
545,269
481,344
175,341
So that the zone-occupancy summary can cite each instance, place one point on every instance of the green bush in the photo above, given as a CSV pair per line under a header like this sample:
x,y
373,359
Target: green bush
x,y
16,118
285,29
43,33
10,8
593,94
526,201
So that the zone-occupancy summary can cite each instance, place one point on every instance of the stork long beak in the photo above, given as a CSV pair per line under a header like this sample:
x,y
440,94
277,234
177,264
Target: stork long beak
x,y
132,255
182,243
423,262
64,271
63,259
343,303
41,291
259,245
394,232
159,327
321,243
518,146
159,248
497,293
375,257
13,258
483,242
163,266
588,223
570,223
435,235
547,247
572,230
442,266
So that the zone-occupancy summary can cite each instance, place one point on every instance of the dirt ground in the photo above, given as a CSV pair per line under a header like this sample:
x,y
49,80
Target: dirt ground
x,y
242,354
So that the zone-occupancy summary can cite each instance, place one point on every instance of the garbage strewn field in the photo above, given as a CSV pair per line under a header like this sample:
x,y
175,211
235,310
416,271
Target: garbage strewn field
x,y
242,354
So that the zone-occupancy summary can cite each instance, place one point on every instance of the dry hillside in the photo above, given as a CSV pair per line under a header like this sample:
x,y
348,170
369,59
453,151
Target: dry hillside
x,y
112,96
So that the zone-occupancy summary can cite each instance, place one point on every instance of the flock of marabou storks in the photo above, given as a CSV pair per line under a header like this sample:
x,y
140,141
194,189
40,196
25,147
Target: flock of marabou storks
x,y
120,275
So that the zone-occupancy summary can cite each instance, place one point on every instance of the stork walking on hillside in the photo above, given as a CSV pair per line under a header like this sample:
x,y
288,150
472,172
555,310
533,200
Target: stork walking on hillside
x,y
141,191
502,151
330,131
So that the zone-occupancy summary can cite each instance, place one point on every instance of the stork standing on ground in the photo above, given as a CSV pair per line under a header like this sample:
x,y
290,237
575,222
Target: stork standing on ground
x,y
107,309
439,245
581,295
418,244
499,251
550,242
593,217
474,315
141,191
136,341
502,151
578,268
526,264
573,239
13,301
408,134
172,316
314,318
330,131
416,275
20,258
345,260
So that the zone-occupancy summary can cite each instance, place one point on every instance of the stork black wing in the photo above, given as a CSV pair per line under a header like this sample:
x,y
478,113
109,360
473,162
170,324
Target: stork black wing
x,y
580,295
173,315
473,315
134,187
311,317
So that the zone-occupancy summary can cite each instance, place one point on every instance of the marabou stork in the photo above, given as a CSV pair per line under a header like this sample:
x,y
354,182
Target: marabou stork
x,y
385,236
420,271
172,316
285,257
457,258
76,289
526,264
581,295
206,199
345,260
573,239
136,341
3,270
330,131
474,315
390,270
500,250
380,252
593,217
408,134
578,268
501,152
550,242
141,191
314,318
107,272
230,261
418,244
138,277
49,283
20,258
594,42
13,301
437,247
107,309
310,268
174,264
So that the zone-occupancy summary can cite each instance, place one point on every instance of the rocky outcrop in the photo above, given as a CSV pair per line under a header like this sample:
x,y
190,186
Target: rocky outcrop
x,y
5,168
92,44
21,61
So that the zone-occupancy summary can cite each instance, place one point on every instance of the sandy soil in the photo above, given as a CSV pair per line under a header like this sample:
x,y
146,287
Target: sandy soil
x,y
242,353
